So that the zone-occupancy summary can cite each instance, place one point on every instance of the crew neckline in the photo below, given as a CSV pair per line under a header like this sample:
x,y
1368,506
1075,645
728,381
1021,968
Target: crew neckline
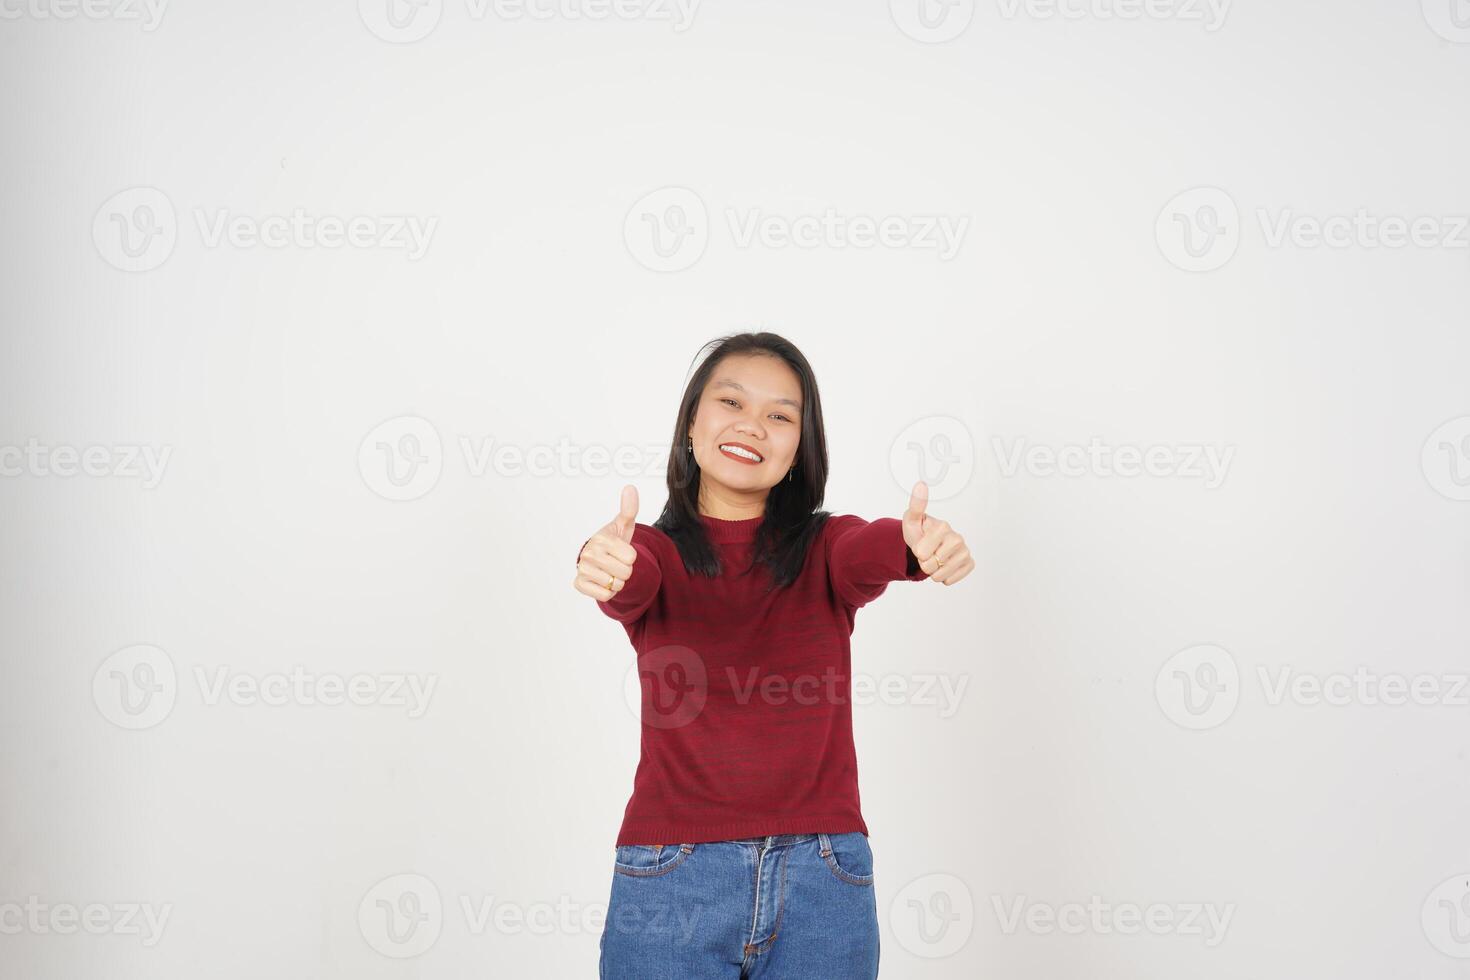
x,y
724,531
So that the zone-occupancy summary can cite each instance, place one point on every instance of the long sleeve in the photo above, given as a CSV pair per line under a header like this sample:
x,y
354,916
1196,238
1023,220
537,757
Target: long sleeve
x,y
633,599
863,557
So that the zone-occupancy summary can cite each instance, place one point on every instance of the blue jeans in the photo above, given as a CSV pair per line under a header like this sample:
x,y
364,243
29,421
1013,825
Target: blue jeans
x,y
784,907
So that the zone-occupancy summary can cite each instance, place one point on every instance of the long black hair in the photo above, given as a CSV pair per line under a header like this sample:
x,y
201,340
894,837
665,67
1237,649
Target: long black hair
x,y
792,518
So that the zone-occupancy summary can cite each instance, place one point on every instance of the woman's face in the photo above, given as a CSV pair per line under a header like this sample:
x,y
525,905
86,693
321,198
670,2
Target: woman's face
x,y
751,401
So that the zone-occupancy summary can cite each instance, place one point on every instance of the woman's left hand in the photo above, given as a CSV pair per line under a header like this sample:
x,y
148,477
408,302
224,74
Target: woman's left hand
x,y
940,549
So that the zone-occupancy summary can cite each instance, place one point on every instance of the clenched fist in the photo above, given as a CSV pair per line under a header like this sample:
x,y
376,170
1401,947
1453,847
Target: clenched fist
x,y
607,557
938,547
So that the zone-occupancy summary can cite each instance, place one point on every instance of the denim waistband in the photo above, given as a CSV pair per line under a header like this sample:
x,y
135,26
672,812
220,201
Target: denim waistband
x,y
775,840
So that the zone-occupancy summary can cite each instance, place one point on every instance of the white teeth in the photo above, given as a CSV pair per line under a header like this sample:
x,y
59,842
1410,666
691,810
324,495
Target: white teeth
x,y
741,452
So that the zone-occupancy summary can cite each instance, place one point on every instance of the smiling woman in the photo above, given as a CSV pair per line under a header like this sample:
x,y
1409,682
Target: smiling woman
x,y
745,802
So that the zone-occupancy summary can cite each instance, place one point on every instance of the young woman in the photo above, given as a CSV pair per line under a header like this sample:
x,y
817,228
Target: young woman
x,y
743,852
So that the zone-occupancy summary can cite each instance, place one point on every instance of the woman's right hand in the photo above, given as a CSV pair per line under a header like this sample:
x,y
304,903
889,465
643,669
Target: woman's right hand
x,y
608,555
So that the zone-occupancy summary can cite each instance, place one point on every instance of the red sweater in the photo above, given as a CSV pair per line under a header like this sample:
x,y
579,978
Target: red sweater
x,y
747,698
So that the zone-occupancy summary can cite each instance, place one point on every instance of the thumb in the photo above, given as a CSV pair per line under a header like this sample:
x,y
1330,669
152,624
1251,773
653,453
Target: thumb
x,y
627,513
913,518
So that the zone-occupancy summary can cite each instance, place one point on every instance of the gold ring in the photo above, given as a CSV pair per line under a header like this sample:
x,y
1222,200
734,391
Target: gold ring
x,y
610,583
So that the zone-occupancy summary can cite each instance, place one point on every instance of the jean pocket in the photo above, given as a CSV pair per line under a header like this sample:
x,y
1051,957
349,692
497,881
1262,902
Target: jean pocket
x,y
646,860
848,856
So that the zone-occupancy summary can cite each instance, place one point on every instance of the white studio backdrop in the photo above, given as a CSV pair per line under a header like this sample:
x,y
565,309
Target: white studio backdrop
x,y
322,322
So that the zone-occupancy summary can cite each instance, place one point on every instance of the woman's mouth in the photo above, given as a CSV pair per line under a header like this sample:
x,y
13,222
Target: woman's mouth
x,y
741,453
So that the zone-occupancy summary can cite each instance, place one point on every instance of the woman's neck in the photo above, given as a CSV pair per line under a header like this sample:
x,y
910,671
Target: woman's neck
x,y
729,507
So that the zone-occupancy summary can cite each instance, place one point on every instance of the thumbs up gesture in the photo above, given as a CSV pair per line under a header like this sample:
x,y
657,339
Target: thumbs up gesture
x,y
607,558
940,549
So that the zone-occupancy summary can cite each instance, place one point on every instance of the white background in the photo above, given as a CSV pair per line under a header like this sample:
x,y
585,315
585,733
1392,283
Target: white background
x,y
1334,834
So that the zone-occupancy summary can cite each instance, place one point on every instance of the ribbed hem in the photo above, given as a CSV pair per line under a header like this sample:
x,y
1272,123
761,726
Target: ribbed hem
x,y
724,532
673,833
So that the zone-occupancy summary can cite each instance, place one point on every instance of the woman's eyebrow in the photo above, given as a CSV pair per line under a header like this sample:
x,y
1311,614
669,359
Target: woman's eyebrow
x,y
727,383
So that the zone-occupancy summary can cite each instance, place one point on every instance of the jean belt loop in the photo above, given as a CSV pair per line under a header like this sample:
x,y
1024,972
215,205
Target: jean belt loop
x,y
826,844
